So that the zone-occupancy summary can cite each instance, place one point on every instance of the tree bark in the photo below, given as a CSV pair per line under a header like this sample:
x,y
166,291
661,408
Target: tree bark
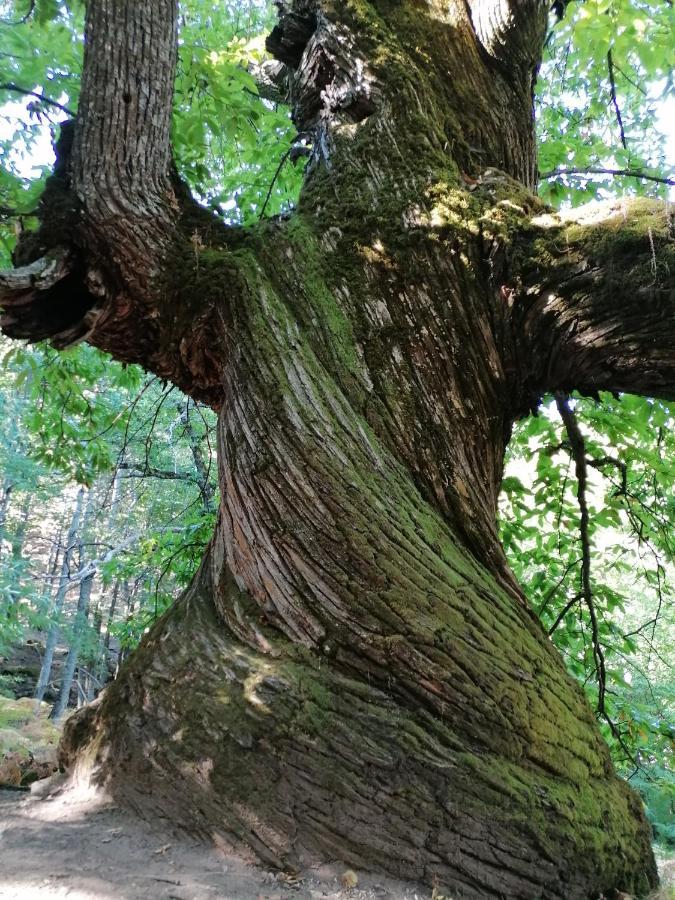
x,y
354,672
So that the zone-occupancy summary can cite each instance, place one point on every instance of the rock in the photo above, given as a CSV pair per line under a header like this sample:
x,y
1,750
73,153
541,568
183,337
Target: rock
x,y
10,771
28,741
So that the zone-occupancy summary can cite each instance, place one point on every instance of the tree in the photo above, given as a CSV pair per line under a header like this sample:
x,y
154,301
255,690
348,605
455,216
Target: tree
x,y
354,671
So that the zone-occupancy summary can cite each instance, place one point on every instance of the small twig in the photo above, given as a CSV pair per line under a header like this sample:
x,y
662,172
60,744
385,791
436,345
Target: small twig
x,y
23,19
563,612
10,86
617,108
274,180
597,170
618,464
551,593
638,87
166,569
7,212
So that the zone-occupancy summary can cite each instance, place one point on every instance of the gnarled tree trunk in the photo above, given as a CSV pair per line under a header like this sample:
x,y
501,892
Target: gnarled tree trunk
x,y
354,672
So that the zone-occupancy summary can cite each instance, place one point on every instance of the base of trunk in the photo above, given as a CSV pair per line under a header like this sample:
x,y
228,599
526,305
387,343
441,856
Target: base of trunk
x,y
285,756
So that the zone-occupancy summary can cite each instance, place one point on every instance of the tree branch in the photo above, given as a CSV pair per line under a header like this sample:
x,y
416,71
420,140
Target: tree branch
x,y
131,471
563,612
595,300
599,170
114,212
615,102
578,448
512,32
16,89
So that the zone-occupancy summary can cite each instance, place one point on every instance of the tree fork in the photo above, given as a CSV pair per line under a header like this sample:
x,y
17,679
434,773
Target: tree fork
x,y
354,672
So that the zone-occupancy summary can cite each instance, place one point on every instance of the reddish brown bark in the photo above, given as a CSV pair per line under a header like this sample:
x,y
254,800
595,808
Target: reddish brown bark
x,y
354,672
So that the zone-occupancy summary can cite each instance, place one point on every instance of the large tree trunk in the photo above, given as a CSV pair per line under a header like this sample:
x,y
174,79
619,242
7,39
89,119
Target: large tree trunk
x,y
354,672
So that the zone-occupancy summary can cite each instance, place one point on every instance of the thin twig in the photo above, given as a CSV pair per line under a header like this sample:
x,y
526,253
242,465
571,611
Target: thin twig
x,y
563,612
638,87
597,170
612,91
7,212
552,592
10,86
23,19
274,180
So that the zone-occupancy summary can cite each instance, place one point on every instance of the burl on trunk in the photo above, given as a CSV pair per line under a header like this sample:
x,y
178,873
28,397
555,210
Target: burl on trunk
x,y
354,672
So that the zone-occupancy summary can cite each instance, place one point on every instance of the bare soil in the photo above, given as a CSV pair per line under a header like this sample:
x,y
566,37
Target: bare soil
x,y
56,842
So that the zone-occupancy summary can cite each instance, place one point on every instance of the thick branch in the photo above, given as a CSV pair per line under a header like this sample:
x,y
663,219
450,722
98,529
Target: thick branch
x,y
513,31
113,213
596,300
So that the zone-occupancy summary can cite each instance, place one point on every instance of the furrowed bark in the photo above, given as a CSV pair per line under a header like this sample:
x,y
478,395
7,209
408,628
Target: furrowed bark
x,y
354,673
595,300
114,211
511,31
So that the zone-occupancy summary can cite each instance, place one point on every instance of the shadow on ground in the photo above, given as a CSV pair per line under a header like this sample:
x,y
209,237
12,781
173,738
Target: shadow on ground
x,y
60,844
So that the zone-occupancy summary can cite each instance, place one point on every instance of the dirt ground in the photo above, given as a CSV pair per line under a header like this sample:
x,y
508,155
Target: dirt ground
x,y
57,843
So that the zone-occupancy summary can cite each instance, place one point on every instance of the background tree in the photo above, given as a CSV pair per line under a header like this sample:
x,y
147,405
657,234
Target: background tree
x,y
368,356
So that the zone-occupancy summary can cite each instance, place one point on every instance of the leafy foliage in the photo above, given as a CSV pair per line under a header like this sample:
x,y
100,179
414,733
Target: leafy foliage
x,y
608,70
629,450
231,145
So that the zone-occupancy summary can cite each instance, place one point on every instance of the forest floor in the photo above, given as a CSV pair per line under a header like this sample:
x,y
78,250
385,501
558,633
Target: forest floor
x,y
55,843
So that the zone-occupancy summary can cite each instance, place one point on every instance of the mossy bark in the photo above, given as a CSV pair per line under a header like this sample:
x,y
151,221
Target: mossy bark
x,y
354,672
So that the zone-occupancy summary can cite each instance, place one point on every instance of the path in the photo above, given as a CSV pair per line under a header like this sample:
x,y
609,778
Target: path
x,y
63,845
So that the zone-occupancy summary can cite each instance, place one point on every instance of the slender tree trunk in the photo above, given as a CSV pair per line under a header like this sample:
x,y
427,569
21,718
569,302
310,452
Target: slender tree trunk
x,y
5,495
202,468
19,535
81,616
354,672
79,628
52,565
112,609
59,599
128,604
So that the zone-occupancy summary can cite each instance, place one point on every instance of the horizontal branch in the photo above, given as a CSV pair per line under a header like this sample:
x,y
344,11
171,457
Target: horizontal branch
x,y
595,300
131,471
598,170
511,31
17,89
92,567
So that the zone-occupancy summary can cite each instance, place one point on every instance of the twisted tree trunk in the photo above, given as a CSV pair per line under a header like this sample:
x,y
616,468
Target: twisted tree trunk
x,y
354,672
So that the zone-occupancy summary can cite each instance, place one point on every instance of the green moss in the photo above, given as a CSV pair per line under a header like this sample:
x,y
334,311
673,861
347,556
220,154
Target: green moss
x,y
636,238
